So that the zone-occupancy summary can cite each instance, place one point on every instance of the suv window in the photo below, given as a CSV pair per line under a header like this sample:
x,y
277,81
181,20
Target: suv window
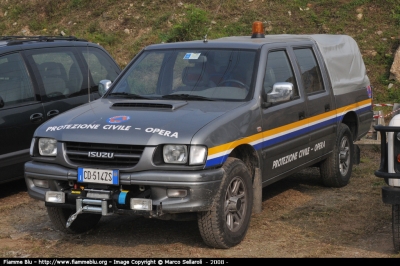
x,y
100,66
279,70
59,73
310,71
15,85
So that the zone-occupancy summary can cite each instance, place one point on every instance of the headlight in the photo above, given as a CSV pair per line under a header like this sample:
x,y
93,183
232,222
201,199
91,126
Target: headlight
x,y
175,154
198,155
47,147
178,154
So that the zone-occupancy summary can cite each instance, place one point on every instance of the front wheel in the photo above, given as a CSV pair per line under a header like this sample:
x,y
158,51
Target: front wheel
x,y
83,223
396,226
336,169
226,224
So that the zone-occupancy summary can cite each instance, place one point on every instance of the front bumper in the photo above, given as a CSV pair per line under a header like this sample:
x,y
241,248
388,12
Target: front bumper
x,y
202,187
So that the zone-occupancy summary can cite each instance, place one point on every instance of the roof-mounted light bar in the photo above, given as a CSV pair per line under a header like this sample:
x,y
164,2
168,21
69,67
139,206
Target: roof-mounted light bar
x,y
258,30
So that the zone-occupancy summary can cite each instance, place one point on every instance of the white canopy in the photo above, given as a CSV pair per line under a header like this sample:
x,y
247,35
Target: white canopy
x,y
343,61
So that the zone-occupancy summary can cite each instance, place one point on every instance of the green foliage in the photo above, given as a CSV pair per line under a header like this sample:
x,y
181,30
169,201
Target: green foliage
x,y
243,25
16,11
104,39
78,3
159,21
394,93
36,25
52,7
3,27
396,14
93,27
192,27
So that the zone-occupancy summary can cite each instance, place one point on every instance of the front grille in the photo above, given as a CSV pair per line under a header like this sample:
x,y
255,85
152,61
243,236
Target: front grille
x,y
125,156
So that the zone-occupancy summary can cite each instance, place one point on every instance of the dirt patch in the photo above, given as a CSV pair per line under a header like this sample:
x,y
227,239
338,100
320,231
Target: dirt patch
x,y
300,218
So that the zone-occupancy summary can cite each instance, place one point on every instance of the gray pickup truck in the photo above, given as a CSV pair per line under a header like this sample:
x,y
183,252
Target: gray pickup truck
x,y
197,129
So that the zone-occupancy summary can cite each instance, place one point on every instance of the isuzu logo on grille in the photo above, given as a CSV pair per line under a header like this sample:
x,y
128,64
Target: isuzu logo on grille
x,y
100,154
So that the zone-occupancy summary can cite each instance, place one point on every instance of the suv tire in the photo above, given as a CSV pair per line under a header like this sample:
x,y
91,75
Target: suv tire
x,y
226,224
396,226
336,169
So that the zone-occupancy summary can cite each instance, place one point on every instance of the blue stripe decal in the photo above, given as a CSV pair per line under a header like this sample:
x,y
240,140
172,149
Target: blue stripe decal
x,y
279,139
217,161
270,142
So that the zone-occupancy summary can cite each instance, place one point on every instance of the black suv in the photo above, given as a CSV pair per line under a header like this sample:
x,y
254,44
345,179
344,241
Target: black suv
x,y
41,77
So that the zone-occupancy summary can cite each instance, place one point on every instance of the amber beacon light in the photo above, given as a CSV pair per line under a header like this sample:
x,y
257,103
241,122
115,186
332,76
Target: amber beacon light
x,y
258,30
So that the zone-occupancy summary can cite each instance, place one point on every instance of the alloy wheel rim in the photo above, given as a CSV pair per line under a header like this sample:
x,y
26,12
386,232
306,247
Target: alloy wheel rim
x,y
235,204
344,156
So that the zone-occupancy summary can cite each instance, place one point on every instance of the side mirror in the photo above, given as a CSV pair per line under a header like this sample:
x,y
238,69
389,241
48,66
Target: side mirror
x,y
281,92
1,102
104,85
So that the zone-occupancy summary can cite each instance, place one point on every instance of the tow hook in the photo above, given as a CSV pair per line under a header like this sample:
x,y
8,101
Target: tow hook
x,y
74,216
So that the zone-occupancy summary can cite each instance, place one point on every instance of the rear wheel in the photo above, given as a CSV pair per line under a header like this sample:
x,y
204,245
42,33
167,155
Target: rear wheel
x,y
83,223
226,224
336,169
396,226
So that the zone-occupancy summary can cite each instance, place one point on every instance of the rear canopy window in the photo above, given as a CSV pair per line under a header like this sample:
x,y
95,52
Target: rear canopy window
x,y
214,74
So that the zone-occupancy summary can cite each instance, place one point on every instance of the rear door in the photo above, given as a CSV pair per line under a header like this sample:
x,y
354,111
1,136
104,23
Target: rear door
x,y
21,113
320,104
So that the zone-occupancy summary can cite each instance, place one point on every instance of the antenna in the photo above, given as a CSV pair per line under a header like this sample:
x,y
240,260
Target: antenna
x,y
215,14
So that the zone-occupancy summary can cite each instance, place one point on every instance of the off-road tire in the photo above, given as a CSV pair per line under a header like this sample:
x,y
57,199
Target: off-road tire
x,y
226,224
336,169
83,223
396,226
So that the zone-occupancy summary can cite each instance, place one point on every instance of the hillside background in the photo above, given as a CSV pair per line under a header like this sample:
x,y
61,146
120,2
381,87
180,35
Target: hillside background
x,y
124,27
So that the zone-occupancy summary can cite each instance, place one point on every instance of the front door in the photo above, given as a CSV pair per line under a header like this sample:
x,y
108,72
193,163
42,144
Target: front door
x,y
285,143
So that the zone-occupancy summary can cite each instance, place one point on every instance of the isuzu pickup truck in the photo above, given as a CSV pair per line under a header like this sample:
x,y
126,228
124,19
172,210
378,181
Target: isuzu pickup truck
x,y
197,129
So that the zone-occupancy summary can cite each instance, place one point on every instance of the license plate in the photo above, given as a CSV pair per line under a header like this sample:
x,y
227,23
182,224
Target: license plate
x,y
99,176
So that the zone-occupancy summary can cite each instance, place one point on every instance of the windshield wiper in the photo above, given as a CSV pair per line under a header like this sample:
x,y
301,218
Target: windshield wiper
x,y
128,95
187,97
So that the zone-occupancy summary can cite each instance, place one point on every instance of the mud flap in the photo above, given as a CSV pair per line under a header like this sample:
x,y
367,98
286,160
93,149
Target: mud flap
x,y
357,152
257,191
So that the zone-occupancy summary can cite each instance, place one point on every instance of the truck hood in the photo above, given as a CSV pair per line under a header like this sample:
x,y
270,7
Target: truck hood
x,y
139,122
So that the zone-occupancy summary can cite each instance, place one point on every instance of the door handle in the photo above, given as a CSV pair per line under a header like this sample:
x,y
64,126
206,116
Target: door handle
x,y
302,115
327,107
36,117
52,113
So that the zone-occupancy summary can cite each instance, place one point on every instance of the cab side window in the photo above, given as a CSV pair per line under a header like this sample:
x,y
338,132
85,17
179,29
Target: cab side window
x,y
279,70
15,84
310,72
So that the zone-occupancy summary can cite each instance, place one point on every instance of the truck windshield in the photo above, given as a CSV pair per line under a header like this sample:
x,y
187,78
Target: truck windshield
x,y
209,74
